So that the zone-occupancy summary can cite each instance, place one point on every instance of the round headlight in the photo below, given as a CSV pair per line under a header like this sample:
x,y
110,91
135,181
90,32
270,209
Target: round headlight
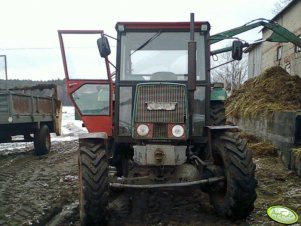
x,y
142,130
177,131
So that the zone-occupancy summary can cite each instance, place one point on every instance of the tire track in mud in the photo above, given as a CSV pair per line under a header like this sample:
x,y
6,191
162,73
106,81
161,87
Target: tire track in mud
x,y
276,186
18,175
34,189
44,191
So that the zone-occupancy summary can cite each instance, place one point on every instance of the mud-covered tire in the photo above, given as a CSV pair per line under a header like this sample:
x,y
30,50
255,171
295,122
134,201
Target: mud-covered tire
x,y
42,142
217,113
235,199
93,183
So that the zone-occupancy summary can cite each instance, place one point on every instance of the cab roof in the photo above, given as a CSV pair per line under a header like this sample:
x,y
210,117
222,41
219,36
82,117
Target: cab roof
x,y
168,26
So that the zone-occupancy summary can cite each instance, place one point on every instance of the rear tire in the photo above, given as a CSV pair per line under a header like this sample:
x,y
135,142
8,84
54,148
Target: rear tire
x,y
93,183
42,143
235,198
217,113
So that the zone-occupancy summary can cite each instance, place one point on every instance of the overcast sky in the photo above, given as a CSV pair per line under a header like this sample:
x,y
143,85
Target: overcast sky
x,y
29,27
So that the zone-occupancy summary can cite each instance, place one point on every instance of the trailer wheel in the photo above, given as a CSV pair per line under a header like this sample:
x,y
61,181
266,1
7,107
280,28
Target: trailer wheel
x,y
217,113
93,183
5,138
42,143
235,197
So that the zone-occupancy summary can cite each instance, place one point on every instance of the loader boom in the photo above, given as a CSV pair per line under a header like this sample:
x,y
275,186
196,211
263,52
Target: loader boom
x,y
280,34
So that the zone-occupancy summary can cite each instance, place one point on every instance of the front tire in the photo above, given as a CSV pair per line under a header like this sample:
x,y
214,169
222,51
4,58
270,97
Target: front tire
x,y
235,198
42,143
93,183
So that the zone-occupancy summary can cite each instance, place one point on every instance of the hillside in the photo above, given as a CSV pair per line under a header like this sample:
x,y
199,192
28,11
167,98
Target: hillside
x,y
61,87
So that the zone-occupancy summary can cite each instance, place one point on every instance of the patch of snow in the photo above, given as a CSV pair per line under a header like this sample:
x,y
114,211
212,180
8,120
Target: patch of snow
x,y
13,146
71,128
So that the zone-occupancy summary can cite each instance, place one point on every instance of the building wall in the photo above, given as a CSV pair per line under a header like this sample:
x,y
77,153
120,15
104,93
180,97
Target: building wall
x,y
290,60
254,62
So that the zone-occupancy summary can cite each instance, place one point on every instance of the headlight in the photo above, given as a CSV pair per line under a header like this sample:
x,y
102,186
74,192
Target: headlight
x,y
177,131
142,130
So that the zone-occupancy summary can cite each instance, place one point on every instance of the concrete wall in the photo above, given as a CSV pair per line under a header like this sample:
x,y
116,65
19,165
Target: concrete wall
x,y
296,161
283,129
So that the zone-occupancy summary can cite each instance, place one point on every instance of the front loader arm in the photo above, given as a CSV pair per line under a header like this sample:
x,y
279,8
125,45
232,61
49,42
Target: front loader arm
x,y
232,32
280,34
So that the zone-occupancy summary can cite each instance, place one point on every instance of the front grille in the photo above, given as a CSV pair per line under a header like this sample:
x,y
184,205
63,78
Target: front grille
x,y
160,93
160,130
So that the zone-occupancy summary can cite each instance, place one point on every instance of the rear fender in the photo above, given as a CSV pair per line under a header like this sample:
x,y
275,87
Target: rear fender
x,y
212,130
218,94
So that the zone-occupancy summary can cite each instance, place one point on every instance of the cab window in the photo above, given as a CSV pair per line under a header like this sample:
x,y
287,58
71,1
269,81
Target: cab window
x,y
93,99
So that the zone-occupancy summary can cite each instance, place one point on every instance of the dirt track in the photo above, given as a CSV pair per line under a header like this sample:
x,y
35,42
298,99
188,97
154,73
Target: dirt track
x,y
43,191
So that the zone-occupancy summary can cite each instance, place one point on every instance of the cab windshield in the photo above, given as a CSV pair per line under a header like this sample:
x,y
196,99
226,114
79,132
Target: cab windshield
x,y
159,56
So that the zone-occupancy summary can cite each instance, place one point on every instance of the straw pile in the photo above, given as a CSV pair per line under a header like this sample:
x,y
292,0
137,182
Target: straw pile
x,y
259,147
274,90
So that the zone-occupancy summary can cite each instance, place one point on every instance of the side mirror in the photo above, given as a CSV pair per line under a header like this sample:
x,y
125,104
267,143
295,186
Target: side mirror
x,y
103,46
237,47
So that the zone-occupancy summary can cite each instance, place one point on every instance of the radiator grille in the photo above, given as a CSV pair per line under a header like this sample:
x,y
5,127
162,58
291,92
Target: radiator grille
x,y
163,93
160,130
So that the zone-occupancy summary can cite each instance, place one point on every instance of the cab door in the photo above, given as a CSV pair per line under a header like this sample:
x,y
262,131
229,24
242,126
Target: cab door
x,y
88,79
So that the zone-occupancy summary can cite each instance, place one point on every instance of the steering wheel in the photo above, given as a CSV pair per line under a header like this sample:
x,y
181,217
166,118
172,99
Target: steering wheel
x,y
164,75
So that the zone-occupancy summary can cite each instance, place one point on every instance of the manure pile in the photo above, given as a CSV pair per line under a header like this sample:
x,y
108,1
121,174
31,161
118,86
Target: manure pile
x,y
259,147
274,90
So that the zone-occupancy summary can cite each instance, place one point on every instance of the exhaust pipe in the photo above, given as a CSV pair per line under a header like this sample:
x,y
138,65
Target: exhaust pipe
x,y
191,71
191,57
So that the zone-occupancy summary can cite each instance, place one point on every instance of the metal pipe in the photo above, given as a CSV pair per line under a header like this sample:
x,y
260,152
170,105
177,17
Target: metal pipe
x,y
192,58
169,185
5,70
191,26
222,64
6,78
203,163
191,72
122,179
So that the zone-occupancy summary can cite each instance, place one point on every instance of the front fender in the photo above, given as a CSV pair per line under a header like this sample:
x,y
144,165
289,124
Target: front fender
x,y
97,135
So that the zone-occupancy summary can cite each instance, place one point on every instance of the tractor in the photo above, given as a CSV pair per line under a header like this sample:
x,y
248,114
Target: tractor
x,y
154,123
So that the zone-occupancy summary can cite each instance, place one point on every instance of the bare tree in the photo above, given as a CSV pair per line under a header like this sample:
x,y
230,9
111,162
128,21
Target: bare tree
x,y
232,74
279,5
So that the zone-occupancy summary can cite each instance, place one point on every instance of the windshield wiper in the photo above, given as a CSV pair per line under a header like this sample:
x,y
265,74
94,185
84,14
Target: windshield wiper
x,y
147,42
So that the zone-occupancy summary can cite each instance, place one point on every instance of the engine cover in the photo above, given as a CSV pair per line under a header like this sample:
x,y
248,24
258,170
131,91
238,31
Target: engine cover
x,y
160,155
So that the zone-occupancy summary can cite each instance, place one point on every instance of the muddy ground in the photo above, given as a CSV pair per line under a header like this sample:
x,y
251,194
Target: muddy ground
x,y
43,191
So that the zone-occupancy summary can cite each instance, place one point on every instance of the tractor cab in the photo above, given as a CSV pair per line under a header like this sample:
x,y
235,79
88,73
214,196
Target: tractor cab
x,y
152,96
